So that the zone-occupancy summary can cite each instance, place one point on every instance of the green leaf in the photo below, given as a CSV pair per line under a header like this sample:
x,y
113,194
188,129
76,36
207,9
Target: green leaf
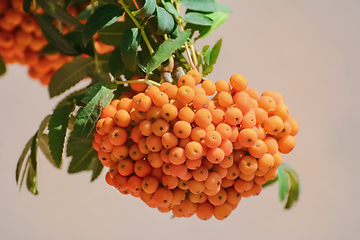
x,y
82,153
283,188
31,180
21,159
2,67
96,167
165,21
217,17
35,141
116,63
54,36
98,97
198,19
58,126
44,147
215,52
207,54
59,13
113,34
26,6
171,9
85,14
103,16
70,74
166,49
74,38
294,191
129,48
147,10
223,8
200,5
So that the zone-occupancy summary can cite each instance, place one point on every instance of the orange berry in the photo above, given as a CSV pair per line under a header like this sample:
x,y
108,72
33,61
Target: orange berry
x,y
282,111
267,103
201,101
196,75
225,99
233,116
108,111
286,144
164,86
253,93
185,94
160,99
266,162
186,80
218,116
177,155
223,211
135,184
243,186
160,127
182,129
171,91
213,181
258,149
248,164
122,118
169,112
186,114
209,87
125,167
117,136
247,137
294,126
193,150
243,102
169,140
224,130
134,153
163,196
154,143
205,210
238,82
139,86
273,125
274,95
222,86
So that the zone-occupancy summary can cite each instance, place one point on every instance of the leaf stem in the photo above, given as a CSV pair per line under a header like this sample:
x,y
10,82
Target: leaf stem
x,y
24,173
139,80
137,24
96,57
192,58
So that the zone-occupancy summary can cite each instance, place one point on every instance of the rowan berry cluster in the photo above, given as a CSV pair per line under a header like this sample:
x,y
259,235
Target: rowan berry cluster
x,y
21,40
180,151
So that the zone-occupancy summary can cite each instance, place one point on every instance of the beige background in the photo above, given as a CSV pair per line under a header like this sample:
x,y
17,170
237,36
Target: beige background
x,y
307,50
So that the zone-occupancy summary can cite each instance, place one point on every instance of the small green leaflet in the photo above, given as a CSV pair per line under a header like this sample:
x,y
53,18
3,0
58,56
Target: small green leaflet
x,y
129,48
35,142
283,188
58,125
217,17
215,52
54,36
294,191
2,67
96,166
103,16
147,10
21,159
166,49
98,97
44,147
31,180
204,5
171,9
113,34
83,156
59,13
198,19
165,21
26,6
70,74
116,63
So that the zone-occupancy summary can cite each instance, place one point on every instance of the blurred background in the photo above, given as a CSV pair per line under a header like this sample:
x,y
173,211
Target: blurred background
x,y
307,50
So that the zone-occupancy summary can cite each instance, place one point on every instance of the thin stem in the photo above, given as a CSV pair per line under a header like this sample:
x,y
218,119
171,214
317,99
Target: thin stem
x,y
139,80
137,24
59,25
179,21
96,57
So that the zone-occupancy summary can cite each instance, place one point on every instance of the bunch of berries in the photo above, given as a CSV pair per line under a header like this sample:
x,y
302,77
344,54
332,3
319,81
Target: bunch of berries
x,y
21,40
178,150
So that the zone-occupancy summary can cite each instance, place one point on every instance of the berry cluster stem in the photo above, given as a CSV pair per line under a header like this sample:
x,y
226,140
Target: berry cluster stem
x,y
140,80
